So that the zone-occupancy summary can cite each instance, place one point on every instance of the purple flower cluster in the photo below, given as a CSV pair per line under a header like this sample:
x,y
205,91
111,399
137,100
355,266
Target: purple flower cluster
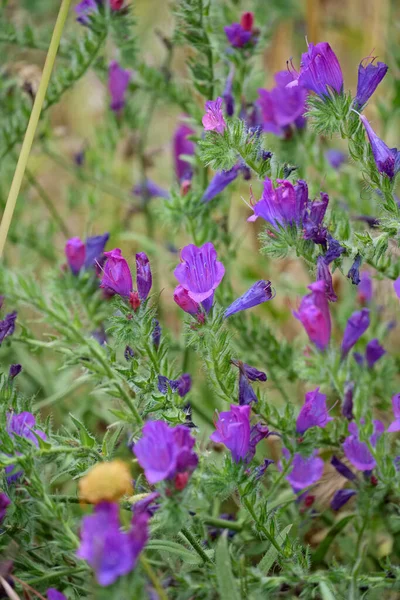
x,y
117,277
241,34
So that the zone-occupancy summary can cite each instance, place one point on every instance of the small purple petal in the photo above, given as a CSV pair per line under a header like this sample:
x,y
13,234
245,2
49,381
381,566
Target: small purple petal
x,y
341,497
259,293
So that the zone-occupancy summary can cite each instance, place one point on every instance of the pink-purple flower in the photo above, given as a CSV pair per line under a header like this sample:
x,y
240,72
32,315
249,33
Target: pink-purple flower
x,y
395,425
185,302
182,145
23,425
305,471
281,206
358,452
259,293
357,324
7,326
314,412
118,82
117,277
85,255
314,315
199,272
213,120
369,77
320,70
324,274
143,275
165,451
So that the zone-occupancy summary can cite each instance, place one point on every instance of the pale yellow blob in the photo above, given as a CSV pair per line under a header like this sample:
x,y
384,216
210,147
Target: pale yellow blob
x,y
108,481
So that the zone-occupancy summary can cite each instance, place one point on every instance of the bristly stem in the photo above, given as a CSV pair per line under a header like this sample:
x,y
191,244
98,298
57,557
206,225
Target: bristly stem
x,y
33,123
195,545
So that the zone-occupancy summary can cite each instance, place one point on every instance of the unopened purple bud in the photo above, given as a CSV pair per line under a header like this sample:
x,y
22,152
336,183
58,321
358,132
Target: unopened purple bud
x,y
354,272
342,469
237,36
117,276
347,407
369,77
184,385
313,220
373,352
213,120
315,316
259,471
357,324
94,249
259,293
227,94
149,189
341,497
118,81
7,326
75,252
251,372
128,353
324,274
385,158
335,250
14,371
219,182
246,393
156,335
84,10
183,146
143,275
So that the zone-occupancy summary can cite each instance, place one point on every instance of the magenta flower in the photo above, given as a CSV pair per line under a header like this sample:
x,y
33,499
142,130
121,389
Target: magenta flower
x,y
118,82
259,293
396,286
165,451
143,275
357,324
395,425
314,412
213,120
7,326
117,277
183,146
314,315
84,10
369,77
358,452
53,594
305,471
283,205
373,352
324,274
237,36
282,105
108,550
184,301
384,157
4,504
320,70
233,430
75,253
365,291
85,254
200,273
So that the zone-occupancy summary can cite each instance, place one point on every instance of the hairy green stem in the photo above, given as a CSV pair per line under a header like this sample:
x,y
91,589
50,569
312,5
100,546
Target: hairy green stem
x,y
195,544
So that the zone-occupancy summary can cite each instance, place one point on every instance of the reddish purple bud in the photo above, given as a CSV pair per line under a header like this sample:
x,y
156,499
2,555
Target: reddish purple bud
x,y
184,301
200,273
314,412
305,471
320,70
324,274
373,352
116,4
395,425
357,324
134,300
385,158
247,21
75,252
341,497
314,315
7,326
213,120
118,82
116,274
237,36
143,275
369,77
259,293
183,146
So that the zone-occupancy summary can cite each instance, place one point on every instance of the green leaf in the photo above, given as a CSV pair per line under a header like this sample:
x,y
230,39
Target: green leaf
x,y
174,548
110,440
326,591
270,556
87,439
43,445
227,586
323,548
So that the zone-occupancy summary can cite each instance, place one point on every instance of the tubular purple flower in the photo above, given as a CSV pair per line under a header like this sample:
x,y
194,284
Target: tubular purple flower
x,y
320,70
164,451
237,36
335,158
341,497
219,182
53,594
227,94
373,352
369,77
117,275
144,278
118,82
7,326
94,249
108,550
282,105
200,273
395,425
347,406
22,425
358,452
257,433
150,189
156,333
324,274
233,430
357,324
365,291
396,287
84,10
342,469
184,301
14,371
128,353
4,504
314,315
313,220
384,157
246,393
182,385
335,250
75,252
354,272
305,471
314,412
259,293
183,146
213,120
283,205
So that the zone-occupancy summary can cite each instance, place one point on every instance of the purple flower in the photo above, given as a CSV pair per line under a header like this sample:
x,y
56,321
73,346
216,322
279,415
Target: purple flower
x,y
335,158
284,205
22,425
117,275
7,326
184,301
156,334
342,469
233,430
149,189
183,146
358,452
364,291
335,250
384,157
237,36
314,315
347,407
320,70
164,451
373,352
357,324
369,77
324,274
84,9
259,471
182,385
94,249
14,371
282,105
259,293
313,220
143,275
247,374
219,182
341,497
354,272
305,471
4,503
227,94
128,353
314,412
53,594
395,425
200,273
396,286
213,120
257,433
118,81
108,550
75,253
